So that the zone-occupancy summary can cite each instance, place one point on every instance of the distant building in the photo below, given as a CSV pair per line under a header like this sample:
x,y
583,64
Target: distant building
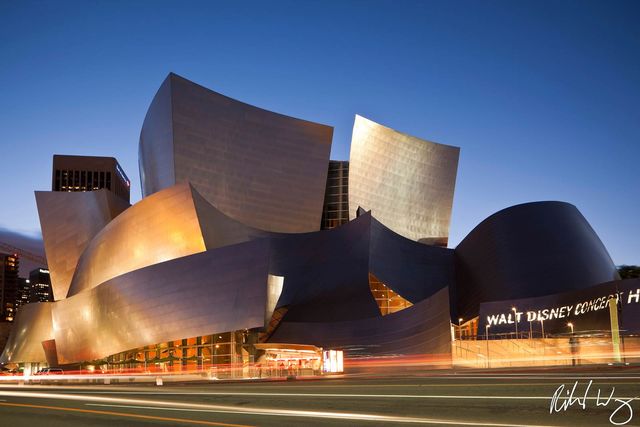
x,y
335,211
23,294
40,285
88,173
9,264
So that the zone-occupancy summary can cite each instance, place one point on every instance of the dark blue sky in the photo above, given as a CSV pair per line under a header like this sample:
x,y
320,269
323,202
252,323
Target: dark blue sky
x,y
543,97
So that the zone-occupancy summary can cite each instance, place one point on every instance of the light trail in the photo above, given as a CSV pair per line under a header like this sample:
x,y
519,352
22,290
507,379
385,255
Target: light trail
x,y
151,378
334,415
197,407
365,396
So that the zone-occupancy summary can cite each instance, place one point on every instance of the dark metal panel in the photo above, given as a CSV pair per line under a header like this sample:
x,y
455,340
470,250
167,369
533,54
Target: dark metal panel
x,y
413,270
587,310
529,250
423,328
326,273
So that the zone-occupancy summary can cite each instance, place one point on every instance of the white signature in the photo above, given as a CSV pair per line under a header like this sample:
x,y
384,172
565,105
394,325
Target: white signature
x,y
564,398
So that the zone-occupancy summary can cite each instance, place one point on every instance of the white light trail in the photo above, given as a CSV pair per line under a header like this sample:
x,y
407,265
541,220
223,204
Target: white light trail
x,y
330,415
193,407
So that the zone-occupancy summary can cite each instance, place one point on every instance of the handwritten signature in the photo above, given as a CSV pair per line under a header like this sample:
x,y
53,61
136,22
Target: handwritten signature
x,y
564,398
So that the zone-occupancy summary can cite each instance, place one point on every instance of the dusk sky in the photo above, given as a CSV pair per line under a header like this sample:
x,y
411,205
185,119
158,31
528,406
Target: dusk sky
x,y
543,97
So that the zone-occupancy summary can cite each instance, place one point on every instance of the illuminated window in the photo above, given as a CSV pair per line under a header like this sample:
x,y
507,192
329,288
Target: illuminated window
x,y
388,300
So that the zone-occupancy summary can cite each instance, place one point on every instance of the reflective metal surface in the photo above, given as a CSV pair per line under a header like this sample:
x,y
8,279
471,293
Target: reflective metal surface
x,y
407,183
413,270
219,290
261,168
31,327
529,250
424,328
159,228
69,221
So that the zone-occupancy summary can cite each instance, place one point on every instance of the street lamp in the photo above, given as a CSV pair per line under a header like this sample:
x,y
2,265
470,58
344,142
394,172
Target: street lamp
x,y
515,319
486,336
571,326
460,328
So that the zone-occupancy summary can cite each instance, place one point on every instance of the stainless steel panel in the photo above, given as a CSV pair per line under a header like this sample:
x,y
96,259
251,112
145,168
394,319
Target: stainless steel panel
x,y
69,221
159,228
407,183
32,326
261,168
529,250
424,328
214,291
155,151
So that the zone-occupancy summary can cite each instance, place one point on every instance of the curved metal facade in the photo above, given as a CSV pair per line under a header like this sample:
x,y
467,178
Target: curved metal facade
x,y
424,328
324,277
407,183
226,239
326,273
414,270
193,134
31,327
220,290
586,309
69,221
529,250
159,228
172,223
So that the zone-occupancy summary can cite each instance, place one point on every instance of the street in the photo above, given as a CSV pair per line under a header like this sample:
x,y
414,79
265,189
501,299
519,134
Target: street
x,y
498,398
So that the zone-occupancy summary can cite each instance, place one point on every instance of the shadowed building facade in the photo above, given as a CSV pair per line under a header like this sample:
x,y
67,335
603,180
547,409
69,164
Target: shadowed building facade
x,y
335,211
529,250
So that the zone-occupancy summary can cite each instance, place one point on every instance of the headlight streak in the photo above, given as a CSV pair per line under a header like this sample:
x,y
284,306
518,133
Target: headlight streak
x,y
332,415
194,407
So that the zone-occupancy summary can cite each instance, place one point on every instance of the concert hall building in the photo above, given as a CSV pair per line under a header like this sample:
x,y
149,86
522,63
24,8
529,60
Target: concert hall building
x,y
249,239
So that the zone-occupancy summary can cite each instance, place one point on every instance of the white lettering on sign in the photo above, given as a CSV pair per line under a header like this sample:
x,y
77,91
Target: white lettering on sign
x,y
578,309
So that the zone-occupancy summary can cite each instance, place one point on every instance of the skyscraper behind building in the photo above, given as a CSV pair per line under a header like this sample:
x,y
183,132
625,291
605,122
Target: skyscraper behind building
x,y
88,173
40,282
335,211
9,264
23,294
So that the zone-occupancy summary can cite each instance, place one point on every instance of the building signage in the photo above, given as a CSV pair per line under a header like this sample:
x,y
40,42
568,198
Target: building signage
x,y
584,310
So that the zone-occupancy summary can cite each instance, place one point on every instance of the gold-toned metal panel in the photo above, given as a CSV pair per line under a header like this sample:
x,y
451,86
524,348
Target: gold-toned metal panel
x,y
219,290
32,326
69,220
159,228
407,183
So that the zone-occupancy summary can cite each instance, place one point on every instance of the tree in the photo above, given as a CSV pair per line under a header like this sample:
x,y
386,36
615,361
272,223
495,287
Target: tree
x,y
629,271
